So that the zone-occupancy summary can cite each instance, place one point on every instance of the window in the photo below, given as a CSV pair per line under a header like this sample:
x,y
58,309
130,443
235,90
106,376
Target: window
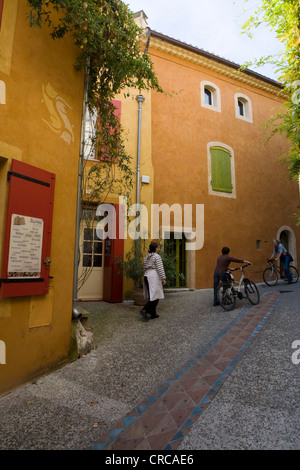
x,y
221,171
92,249
243,107
210,96
90,132
90,135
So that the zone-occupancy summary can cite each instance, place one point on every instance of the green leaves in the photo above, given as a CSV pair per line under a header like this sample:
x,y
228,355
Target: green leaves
x,y
108,49
283,17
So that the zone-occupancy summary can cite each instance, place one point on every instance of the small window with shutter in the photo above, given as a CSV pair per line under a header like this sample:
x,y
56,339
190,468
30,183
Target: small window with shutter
x,y
221,170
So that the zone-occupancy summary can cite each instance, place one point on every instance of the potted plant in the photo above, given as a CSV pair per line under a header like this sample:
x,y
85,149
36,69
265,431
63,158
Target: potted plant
x,y
132,267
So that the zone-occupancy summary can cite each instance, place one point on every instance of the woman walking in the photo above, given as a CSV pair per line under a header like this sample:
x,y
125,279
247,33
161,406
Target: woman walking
x,y
154,280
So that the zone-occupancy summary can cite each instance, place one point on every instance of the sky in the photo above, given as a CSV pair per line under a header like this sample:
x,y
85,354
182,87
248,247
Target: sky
x,y
212,25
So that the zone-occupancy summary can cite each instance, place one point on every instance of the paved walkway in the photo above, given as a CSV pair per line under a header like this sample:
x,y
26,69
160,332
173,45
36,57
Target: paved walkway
x,y
197,378
164,418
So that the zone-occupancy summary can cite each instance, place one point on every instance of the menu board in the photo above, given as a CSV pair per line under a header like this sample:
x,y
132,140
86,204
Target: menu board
x,y
25,247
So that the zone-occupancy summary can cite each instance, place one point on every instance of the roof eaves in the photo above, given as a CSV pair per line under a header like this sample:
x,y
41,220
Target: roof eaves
x,y
213,57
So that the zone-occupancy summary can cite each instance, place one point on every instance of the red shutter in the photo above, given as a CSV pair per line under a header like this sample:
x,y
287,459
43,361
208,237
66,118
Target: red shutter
x,y
117,112
26,257
1,9
117,105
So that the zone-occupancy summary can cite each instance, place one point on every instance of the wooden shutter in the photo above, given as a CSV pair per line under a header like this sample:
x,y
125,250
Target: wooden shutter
x,y
1,9
221,170
26,256
117,112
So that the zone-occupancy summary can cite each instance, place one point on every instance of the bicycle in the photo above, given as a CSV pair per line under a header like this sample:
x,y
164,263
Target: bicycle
x,y
271,274
229,290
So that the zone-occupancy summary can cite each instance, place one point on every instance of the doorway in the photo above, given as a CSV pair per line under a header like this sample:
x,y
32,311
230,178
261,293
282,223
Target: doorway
x,y
287,237
284,239
175,248
91,265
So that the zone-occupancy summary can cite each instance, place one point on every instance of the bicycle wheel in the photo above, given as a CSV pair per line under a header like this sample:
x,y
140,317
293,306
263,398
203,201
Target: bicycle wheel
x,y
225,297
294,273
270,276
252,293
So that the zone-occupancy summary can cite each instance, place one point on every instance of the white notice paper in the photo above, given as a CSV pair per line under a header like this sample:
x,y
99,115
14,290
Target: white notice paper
x,y
25,247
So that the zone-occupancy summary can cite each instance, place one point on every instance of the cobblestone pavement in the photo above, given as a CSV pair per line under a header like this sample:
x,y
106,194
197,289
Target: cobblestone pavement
x,y
195,378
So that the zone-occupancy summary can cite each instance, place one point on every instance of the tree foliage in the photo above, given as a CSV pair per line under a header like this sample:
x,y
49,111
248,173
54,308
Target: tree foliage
x,y
283,17
109,51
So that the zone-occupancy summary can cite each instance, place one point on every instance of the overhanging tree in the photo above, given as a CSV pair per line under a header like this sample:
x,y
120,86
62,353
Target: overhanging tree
x,y
283,17
109,53
108,49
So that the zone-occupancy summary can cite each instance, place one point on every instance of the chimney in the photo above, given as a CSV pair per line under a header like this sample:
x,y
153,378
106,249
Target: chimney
x,y
141,19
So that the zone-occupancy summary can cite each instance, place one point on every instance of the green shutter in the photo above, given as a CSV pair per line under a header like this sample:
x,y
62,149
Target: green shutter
x,y
221,170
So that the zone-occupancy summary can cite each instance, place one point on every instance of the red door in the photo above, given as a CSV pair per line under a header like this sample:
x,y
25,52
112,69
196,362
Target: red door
x,y
113,281
26,257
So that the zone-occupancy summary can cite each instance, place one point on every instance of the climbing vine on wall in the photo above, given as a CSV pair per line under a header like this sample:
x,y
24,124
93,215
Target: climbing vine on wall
x,y
109,51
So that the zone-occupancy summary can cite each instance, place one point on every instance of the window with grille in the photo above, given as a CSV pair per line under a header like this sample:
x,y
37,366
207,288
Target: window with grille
x,y
92,249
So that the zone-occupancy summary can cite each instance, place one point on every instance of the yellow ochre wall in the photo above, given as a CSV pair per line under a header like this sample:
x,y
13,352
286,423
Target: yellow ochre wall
x,y
129,119
129,122
40,124
181,129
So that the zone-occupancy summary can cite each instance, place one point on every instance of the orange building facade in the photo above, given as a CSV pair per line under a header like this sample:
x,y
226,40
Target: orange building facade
x,y
201,148
209,148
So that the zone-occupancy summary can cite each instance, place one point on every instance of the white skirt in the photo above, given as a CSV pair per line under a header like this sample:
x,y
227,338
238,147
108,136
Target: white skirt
x,y
155,286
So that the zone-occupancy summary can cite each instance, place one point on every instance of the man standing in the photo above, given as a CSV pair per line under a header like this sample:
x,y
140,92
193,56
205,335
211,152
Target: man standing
x,y
279,251
223,262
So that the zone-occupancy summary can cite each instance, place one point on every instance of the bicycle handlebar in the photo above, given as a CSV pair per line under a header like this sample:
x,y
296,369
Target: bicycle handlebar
x,y
241,267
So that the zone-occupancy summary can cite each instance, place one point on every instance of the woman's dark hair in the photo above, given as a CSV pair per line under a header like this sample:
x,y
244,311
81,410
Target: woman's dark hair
x,y
225,250
152,247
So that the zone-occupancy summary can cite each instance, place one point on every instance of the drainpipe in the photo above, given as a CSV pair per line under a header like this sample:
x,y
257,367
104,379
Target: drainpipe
x,y
140,99
76,315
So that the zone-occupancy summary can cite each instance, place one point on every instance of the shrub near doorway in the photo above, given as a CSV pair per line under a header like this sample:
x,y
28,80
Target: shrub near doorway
x,y
132,267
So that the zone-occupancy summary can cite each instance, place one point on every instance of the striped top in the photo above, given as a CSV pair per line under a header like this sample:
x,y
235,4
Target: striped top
x,y
154,261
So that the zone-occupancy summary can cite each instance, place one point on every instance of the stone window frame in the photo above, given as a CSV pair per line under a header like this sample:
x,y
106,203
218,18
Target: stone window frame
x,y
216,96
247,107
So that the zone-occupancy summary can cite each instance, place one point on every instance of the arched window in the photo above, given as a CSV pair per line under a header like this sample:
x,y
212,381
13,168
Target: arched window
x,y
243,107
210,96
